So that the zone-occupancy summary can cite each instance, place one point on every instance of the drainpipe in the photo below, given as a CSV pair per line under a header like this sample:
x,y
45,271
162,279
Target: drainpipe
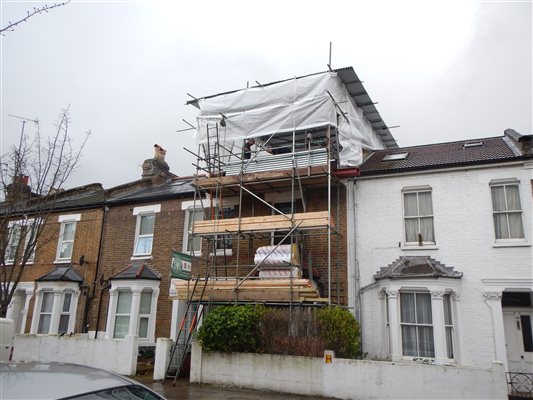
x,y
353,276
97,269
104,287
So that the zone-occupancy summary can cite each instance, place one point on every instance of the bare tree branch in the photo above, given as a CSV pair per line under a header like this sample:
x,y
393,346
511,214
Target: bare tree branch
x,y
10,27
32,174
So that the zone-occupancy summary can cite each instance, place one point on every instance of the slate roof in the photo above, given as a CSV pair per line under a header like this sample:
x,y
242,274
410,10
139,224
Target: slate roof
x,y
137,271
87,196
61,274
444,155
170,189
408,267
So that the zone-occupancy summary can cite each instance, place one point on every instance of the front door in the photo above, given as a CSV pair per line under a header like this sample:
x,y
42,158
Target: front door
x,y
518,326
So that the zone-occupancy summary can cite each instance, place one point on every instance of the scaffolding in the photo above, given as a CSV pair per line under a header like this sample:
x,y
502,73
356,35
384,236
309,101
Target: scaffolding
x,y
267,205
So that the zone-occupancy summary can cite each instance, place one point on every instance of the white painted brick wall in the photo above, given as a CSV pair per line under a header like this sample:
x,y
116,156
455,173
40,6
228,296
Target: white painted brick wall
x,y
464,237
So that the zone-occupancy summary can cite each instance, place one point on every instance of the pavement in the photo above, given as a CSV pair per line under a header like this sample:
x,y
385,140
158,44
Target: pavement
x,y
183,390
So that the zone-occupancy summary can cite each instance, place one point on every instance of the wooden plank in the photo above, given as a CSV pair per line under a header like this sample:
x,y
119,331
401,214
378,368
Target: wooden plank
x,y
251,290
317,219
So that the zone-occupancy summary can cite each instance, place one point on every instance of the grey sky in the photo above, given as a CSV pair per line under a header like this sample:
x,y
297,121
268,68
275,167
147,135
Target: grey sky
x,y
443,71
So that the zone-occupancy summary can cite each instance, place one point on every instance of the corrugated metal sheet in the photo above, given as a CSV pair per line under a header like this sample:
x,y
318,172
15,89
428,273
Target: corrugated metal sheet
x,y
278,162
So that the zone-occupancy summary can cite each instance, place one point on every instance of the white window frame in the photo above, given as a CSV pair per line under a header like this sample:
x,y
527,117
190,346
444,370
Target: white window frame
x,y
59,289
504,183
439,288
64,220
140,212
196,206
146,316
45,313
416,324
123,314
137,287
65,313
21,224
187,235
418,217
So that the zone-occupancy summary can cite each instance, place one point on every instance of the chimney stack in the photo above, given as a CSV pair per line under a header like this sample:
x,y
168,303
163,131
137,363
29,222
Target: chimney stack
x,y
19,189
157,166
524,142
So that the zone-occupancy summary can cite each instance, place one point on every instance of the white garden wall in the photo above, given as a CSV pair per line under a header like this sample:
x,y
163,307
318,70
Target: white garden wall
x,y
114,355
347,379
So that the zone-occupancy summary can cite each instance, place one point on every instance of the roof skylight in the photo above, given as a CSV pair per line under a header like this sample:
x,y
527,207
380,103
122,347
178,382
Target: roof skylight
x,y
477,143
395,157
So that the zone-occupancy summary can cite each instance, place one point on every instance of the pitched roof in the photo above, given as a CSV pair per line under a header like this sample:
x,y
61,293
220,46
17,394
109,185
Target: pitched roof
x,y
407,267
61,274
137,271
444,155
169,189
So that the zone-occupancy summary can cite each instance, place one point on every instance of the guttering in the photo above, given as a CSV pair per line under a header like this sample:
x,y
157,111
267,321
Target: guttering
x,y
346,173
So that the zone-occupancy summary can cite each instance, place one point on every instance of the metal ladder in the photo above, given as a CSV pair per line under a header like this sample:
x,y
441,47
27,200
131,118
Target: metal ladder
x,y
189,323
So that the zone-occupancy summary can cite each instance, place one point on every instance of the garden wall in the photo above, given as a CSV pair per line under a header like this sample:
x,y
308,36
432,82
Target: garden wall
x,y
347,379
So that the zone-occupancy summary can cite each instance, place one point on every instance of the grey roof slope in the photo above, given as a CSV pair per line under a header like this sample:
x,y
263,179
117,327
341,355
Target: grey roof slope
x,y
357,91
137,271
407,267
168,189
87,196
444,155
61,274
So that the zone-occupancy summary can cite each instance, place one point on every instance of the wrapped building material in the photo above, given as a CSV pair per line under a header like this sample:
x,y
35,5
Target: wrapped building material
x,y
285,255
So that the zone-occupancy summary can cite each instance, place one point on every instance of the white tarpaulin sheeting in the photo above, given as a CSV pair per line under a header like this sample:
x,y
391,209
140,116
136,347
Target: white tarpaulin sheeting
x,y
297,104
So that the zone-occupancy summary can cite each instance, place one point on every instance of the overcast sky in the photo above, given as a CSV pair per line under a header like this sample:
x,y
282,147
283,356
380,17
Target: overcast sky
x,y
442,70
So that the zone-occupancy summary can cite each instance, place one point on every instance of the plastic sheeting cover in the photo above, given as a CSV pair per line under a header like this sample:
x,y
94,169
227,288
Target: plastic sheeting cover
x,y
297,104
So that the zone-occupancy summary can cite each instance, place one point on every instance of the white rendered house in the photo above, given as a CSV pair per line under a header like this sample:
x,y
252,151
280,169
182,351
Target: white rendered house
x,y
442,253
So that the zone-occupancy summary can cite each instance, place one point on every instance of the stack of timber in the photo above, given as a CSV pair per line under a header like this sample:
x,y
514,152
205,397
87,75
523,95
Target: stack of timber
x,y
318,219
256,290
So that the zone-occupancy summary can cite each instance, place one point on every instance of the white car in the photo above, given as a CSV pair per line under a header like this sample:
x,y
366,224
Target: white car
x,y
35,380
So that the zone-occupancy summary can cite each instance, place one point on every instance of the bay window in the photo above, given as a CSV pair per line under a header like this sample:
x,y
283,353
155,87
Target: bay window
x,y
417,325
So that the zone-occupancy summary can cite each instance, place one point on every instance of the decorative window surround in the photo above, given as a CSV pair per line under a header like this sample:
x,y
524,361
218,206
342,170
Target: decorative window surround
x,y
19,306
59,289
136,287
67,233
437,288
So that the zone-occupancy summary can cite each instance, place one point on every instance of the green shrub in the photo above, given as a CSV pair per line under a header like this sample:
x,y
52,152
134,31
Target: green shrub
x,y
231,329
340,331
300,331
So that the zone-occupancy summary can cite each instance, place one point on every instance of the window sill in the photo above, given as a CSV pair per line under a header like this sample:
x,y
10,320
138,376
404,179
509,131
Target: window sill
x,y
417,247
220,253
63,261
511,243
146,257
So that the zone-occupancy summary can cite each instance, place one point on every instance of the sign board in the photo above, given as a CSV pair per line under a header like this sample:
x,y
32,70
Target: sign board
x,y
181,265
